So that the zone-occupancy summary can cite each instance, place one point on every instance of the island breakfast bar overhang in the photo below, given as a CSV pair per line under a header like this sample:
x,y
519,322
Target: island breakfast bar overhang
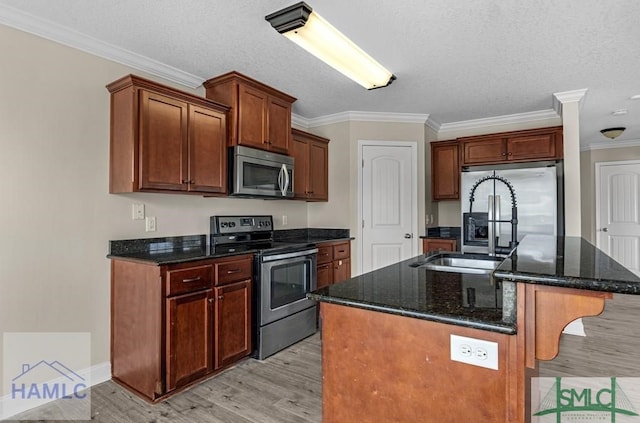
x,y
386,356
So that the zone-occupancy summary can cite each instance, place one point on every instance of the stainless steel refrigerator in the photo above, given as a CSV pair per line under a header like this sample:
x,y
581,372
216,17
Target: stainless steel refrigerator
x,y
501,204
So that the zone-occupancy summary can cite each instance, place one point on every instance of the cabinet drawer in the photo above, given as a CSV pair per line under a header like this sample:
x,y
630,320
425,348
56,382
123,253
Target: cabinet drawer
x,y
325,254
181,281
341,251
233,270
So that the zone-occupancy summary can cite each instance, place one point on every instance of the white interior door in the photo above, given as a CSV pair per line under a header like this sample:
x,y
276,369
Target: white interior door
x,y
617,212
388,203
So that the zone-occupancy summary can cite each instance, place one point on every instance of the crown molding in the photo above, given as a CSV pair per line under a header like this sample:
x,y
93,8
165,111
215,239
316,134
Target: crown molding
x,y
44,28
433,124
301,121
610,144
568,97
485,123
365,117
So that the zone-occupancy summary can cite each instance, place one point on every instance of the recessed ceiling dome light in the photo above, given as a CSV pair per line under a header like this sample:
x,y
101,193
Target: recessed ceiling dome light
x,y
612,133
620,112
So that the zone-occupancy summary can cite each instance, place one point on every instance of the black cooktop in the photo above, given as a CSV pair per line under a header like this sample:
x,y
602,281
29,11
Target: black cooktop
x,y
260,247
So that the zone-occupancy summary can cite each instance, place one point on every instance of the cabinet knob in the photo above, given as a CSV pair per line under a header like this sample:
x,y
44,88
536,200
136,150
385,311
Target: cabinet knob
x,y
221,297
510,154
504,154
210,300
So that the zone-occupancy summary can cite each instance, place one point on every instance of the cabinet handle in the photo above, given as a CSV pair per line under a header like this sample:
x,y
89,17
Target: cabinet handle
x,y
188,182
341,251
211,300
233,271
324,254
221,297
191,280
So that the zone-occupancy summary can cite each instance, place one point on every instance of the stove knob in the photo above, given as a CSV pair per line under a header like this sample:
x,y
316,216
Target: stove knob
x,y
232,224
268,223
223,224
259,224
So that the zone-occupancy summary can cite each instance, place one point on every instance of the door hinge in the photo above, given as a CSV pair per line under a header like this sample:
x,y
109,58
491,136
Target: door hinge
x,y
362,223
363,163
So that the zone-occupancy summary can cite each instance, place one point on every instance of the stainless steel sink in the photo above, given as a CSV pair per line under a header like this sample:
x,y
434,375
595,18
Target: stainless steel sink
x,y
460,263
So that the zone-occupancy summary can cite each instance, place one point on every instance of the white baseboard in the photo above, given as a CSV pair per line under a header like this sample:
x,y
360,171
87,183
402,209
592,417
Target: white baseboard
x,y
575,328
94,374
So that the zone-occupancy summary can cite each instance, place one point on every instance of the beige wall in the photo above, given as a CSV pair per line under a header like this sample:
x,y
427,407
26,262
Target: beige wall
x,y
588,159
343,155
56,216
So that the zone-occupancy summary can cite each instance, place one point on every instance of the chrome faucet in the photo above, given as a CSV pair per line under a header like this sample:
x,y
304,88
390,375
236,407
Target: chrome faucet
x,y
494,216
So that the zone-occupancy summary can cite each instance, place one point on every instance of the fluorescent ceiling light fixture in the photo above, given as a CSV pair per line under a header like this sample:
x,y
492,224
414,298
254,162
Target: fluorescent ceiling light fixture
x,y
310,31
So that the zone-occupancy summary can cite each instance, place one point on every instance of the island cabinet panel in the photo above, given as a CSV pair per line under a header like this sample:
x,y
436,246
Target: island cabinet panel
x,y
165,140
380,367
520,146
311,176
435,244
260,115
445,170
173,325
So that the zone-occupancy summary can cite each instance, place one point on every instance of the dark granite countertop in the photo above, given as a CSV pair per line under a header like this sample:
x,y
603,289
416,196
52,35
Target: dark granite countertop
x,y
569,262
401,289
182,249
443,232
424,294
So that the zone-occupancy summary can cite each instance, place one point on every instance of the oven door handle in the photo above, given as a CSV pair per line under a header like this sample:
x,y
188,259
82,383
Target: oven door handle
x,y
284,256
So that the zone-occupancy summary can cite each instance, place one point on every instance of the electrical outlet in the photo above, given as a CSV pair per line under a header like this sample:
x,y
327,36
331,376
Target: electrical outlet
x,y
150,223
473,351
137,211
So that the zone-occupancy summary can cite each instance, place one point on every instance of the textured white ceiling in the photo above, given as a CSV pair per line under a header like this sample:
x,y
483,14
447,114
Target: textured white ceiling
x,y
457,60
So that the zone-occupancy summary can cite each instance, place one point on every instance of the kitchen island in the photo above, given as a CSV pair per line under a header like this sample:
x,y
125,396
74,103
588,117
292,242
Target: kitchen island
x,y
387,334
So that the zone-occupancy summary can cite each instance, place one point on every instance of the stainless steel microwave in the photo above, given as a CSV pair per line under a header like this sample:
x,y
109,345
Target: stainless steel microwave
x,y
258,173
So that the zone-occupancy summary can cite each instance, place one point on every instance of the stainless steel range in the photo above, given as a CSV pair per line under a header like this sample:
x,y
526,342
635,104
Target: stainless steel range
x,y
284,272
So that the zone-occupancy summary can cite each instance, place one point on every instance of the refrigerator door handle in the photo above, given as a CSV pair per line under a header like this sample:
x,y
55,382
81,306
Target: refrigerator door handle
x,y
491,226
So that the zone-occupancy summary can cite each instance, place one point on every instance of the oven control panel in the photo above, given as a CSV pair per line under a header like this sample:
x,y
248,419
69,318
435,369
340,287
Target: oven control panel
x,y
236,224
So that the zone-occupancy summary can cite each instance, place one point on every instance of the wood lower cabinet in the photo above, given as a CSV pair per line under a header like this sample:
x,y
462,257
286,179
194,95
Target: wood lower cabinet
x,y
172,325
311,176
260,115
445,171
233,323
165,140
188,338
334,262
520,146
435,244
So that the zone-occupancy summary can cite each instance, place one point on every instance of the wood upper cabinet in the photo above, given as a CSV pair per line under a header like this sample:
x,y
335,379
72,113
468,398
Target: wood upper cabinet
x,y
311,167
165,140
445,170
520,146
260,115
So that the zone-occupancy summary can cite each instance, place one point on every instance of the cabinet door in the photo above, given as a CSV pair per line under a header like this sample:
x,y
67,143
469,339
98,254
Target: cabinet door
x,y
445,171
207,150
232,323
532,147
252,117
324,275
279,125
341,270
299,150
188,338
163,142
318,171
438,244
491,150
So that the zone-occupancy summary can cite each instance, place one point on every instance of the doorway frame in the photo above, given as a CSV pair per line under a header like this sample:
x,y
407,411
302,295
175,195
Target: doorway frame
x,y
596,188
414,191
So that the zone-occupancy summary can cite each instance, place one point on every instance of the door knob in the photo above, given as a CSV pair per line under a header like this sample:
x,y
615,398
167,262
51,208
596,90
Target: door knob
x,y
605,229
408,236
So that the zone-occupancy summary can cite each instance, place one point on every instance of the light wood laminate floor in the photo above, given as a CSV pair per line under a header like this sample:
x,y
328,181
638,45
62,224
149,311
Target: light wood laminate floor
x,y
287,386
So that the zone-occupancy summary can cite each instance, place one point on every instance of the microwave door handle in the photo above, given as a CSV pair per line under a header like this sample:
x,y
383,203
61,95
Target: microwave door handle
x,y
286,180
280,179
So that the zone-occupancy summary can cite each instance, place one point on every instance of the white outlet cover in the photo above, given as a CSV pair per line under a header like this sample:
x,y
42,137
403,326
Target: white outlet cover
x,y
150,224
137,211
484,353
